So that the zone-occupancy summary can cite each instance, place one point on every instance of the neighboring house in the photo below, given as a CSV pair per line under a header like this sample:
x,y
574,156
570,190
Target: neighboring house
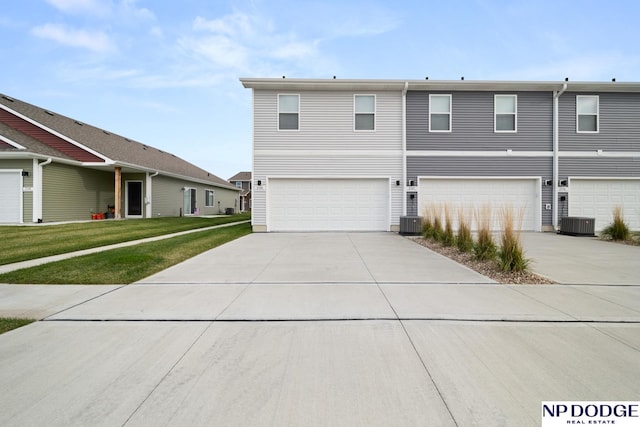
x,y
242,181
359,154
54,168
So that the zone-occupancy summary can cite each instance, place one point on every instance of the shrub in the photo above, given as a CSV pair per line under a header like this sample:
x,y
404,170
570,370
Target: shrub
x,y
464,239
427,222
448,237
437,231
484,247
618,229
511,254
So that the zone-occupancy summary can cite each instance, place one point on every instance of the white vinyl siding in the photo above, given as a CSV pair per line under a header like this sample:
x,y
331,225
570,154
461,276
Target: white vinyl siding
x,y
288,112
587,114
364,107
505,113
439,113
326,145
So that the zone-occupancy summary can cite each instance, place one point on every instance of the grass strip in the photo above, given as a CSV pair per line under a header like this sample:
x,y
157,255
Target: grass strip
x,y
126,265
9,323
21,243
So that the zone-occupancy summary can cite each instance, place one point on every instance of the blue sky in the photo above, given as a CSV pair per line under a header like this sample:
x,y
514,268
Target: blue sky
x,y
165,72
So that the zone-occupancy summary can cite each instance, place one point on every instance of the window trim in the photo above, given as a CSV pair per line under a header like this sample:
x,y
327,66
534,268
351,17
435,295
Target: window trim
x,y
298,112
597,97
431,95
515,113
375,111
206,199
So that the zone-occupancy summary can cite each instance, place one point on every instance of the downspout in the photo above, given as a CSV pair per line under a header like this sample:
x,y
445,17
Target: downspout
x,y
38,193
148,200
404,148
556,152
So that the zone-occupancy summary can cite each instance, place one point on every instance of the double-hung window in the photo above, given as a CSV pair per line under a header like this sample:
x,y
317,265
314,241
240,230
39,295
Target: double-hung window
x,y
364,112
587,113
288,112
439,113
506,113
208,198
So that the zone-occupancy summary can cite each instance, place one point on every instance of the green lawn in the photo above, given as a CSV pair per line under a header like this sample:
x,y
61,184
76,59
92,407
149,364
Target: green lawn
x,y
9,323
20,243
126,265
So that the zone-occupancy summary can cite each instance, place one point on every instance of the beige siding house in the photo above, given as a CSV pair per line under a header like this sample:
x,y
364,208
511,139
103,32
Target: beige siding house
x,y
54,168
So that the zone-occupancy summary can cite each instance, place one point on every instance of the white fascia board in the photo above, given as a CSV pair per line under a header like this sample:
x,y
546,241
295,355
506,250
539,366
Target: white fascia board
x,y
58,134
501,153
478,178
436,85
12,143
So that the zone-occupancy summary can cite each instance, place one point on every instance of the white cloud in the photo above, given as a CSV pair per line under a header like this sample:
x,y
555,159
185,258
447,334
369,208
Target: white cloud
x,y
95,7
95,41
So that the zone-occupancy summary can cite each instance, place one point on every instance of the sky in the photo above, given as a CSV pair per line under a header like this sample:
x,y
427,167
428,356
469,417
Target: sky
x,y
166,72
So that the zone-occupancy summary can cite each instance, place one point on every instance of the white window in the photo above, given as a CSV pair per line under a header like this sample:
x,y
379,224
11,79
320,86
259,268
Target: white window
x,y
506,113
208,198
587,113
364,112
439,113
238,184
288,112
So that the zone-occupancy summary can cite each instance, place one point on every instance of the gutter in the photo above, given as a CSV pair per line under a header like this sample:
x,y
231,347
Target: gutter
x,y
556,150
404,148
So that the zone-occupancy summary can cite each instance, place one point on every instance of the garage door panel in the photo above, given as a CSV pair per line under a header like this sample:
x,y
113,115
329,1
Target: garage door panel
x,y
328,204
10,194
596,198
470,194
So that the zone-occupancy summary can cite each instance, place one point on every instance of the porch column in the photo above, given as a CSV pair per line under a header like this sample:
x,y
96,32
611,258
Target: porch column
x,y
118,183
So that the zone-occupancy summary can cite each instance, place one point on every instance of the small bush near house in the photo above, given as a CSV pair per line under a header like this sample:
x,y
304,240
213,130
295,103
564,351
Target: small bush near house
x,y
618,229
427,222
484,247
448,236
511,254
464,239
437,230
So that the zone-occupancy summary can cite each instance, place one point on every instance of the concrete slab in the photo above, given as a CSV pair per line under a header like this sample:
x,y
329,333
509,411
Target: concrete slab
x,y
86,373
580,304
309,301
157,302
499,373
626,296
467,301
318,258
297,373
395,259
582,260
40,301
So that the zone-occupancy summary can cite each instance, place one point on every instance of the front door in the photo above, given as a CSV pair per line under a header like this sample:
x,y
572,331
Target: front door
x,y
133,199
189,201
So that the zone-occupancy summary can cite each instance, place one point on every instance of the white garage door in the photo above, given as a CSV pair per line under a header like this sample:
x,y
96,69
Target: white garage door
x,y
328,204
10,194
596,198
521,194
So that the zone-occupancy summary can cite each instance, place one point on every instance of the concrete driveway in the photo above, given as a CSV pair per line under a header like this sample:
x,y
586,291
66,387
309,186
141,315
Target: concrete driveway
x,y
352,329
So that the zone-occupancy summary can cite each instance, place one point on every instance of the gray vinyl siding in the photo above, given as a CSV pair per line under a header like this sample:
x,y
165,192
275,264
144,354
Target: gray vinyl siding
x,y
619,123
168,197
27,181
74,193
599,167
486,167
472,123
326,144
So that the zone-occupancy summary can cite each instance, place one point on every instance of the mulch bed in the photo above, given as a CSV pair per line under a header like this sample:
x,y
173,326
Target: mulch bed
x,y
486,268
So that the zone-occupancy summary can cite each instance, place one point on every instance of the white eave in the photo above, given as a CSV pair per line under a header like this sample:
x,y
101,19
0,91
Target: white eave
x,y
12,143
435,85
